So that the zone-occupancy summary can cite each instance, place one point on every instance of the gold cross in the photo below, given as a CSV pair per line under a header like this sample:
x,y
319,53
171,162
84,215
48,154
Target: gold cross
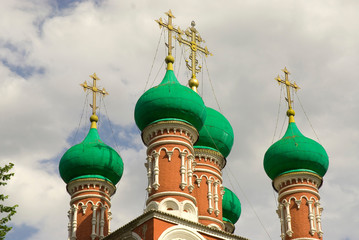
x,y
288,84
170,28
195,39
94,90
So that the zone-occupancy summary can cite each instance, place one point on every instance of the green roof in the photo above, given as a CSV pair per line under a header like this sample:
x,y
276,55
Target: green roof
x,y
170,99
231,207
93,159
295,152
216,133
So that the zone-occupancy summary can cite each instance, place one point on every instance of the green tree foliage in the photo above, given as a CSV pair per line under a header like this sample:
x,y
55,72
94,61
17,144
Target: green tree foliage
x,y
6,212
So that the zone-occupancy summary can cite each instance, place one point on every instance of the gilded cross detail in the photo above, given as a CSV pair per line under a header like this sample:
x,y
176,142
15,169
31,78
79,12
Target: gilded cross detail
x,y
170,28
194,40
94,90
288,86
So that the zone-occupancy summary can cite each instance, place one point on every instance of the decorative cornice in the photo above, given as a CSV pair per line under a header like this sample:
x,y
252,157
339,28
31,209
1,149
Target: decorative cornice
x,y
90,196
212,155
85,183
151,131
171,193
175,220
281,181
298,190
208,171
164,142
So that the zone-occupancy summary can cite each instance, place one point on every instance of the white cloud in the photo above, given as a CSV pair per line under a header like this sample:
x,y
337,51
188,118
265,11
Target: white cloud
x,y
251,42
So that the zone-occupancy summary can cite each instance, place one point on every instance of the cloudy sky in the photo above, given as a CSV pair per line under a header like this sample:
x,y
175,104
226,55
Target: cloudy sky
x,y
47,48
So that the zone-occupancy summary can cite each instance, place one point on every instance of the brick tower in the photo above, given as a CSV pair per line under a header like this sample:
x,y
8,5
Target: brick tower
x,y
91,169
297,164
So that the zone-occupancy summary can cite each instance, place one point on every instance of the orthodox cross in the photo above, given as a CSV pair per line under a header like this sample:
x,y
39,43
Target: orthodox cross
x,y
289,85
170,29
94,90
195,39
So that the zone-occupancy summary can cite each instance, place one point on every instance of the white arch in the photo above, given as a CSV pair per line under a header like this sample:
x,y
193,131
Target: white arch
x,y
180,232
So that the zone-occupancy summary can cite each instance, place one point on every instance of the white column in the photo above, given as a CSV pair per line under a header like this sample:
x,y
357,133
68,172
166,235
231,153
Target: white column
x,y
281,218
209,196
102,222
156,172
215,197
109,218
311,217
190,172
149,173
318,218
183,170
74,222
93,222
288,219
69,228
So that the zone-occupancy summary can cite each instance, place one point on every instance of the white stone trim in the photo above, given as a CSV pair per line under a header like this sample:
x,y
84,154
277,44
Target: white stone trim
x,y
211,156
298,190
185,209
190,158
297,177
180,232
150,131
209,196
93,222
288,218
297,185
209,171
171,193
74,222
78,185
156,171
148,165
211,219
183,171
318,213
165,142
90,196
311,218
206,165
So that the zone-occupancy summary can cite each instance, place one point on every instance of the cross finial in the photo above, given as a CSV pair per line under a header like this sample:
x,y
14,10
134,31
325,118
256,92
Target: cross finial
x,y
194,40
290,112
169,59
94,90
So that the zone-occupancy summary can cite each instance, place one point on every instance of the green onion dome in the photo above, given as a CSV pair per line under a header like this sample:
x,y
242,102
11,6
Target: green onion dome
x,y
216,133
170,100
295,153
91,159
231,207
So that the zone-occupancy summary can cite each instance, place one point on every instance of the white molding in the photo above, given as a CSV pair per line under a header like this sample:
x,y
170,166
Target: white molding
x,y
209,171
90,196
171,193
297,185
151,131
185,209
206,165
85,184
298,190
200,217
298,177
211,156
180,232
165,142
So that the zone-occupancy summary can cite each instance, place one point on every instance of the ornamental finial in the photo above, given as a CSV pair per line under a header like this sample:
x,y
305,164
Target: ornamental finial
x,y
94,89
193,40
290,112
170,28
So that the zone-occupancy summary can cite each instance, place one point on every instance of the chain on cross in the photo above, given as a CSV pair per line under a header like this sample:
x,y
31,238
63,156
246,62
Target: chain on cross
x,y
94,90
289,85
194,40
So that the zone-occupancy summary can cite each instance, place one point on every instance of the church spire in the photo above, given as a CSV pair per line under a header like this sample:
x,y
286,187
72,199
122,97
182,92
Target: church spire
x,y
290,112
194,40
